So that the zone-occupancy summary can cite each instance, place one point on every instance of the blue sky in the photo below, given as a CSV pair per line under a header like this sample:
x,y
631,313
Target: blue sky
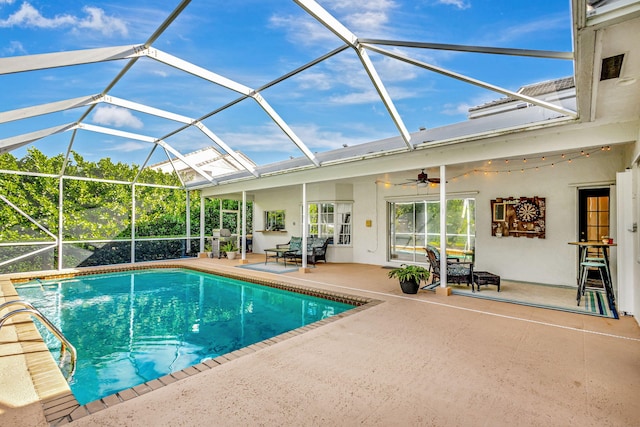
x,y
255,41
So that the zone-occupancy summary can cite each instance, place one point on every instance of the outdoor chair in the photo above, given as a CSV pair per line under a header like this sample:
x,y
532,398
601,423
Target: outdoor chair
x,y
316,251
294,244
457,272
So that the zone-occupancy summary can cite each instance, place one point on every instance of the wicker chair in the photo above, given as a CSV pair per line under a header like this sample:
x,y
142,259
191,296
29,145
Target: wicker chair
x,y
316,251
457,272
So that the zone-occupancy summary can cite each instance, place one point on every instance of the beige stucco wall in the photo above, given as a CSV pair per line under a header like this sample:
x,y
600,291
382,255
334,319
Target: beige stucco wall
x,y
550,260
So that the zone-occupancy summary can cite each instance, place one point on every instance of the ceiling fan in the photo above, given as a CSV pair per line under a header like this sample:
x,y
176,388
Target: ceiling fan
x,y
423,179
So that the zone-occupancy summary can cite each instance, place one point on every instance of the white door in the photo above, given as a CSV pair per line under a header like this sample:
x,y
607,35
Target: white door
x,y
625,236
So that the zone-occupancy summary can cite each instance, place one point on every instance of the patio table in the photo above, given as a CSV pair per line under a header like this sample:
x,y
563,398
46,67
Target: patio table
x,y
276,253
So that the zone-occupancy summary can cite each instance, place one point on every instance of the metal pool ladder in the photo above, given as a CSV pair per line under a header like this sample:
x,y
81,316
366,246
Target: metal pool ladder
x,y
28,308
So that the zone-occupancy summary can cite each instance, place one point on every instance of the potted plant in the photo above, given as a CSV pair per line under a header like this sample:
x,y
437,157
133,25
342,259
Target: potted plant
x,y
409,277
229,249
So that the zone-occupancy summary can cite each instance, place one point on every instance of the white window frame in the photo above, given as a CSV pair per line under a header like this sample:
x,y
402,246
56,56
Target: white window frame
x,y
333,220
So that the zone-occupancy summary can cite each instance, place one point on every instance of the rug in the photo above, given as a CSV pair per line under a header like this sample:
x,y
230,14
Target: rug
x,y
596,302
270,267
561,298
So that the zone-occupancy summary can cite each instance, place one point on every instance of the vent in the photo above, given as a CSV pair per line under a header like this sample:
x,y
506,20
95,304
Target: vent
x,y
611,67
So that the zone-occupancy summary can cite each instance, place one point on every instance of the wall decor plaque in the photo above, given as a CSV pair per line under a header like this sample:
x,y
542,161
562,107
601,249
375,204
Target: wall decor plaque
x,y
518,217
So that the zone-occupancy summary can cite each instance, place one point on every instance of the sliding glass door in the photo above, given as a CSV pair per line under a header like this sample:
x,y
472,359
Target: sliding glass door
x,y
415,224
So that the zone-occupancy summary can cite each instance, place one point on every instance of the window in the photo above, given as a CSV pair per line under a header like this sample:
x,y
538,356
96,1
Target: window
x,y
332,220
274,220
414,225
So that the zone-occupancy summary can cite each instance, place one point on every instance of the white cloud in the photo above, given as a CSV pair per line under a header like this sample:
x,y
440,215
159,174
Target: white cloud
x,y
460,4
14,48
368,17
130,146
304,30
116,116
29,16
314,80
160,73
533,28
271,140
106,25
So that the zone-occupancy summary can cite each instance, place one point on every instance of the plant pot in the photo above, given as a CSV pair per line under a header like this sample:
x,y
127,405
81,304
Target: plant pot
x,y
409,287
231,255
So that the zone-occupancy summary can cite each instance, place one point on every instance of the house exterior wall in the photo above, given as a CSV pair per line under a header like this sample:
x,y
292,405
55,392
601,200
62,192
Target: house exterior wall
x,y
550,260
290,200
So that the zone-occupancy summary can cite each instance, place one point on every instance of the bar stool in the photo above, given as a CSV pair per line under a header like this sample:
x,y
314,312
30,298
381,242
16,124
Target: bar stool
x,y
601,260
604,276
609,287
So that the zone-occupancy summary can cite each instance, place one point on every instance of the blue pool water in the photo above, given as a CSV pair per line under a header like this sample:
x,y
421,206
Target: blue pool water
x,y
132,327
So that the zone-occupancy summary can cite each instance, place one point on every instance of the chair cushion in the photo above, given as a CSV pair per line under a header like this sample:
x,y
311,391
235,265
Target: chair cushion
x,y
454,269
435,251
295,244
318,242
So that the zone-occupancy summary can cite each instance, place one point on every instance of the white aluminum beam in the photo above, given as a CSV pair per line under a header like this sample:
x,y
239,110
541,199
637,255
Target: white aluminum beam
x,y
212,136
196,70
144,138
551,54
331,23
19,64
42,109
285,128
326,19
385,97
17,141
31,220
212,77
181,119
108,99
473,81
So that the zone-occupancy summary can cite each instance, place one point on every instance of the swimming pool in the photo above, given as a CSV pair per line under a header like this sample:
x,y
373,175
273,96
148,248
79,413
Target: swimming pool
x,y
134,326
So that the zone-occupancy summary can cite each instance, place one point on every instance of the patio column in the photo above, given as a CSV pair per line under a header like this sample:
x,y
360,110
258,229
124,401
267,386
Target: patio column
x,y
202,224
305,213
243,239
133,223
187,247
60,220
443,289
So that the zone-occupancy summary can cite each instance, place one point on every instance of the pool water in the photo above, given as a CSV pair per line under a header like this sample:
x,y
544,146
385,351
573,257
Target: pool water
x,y
132,327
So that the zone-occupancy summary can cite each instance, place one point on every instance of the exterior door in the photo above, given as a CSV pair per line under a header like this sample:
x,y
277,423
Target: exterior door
x,y
594,219
594,214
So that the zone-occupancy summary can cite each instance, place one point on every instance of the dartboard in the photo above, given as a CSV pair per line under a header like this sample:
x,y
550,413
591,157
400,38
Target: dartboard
x,y
527,211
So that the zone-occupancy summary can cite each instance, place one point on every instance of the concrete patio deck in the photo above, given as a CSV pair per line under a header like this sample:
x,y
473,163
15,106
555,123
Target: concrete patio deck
x,y
418,359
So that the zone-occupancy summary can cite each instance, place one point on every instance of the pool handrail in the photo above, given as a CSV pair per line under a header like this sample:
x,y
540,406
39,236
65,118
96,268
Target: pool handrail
x,y
28,308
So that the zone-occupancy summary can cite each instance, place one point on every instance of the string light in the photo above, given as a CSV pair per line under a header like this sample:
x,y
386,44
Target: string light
x,y
565,157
